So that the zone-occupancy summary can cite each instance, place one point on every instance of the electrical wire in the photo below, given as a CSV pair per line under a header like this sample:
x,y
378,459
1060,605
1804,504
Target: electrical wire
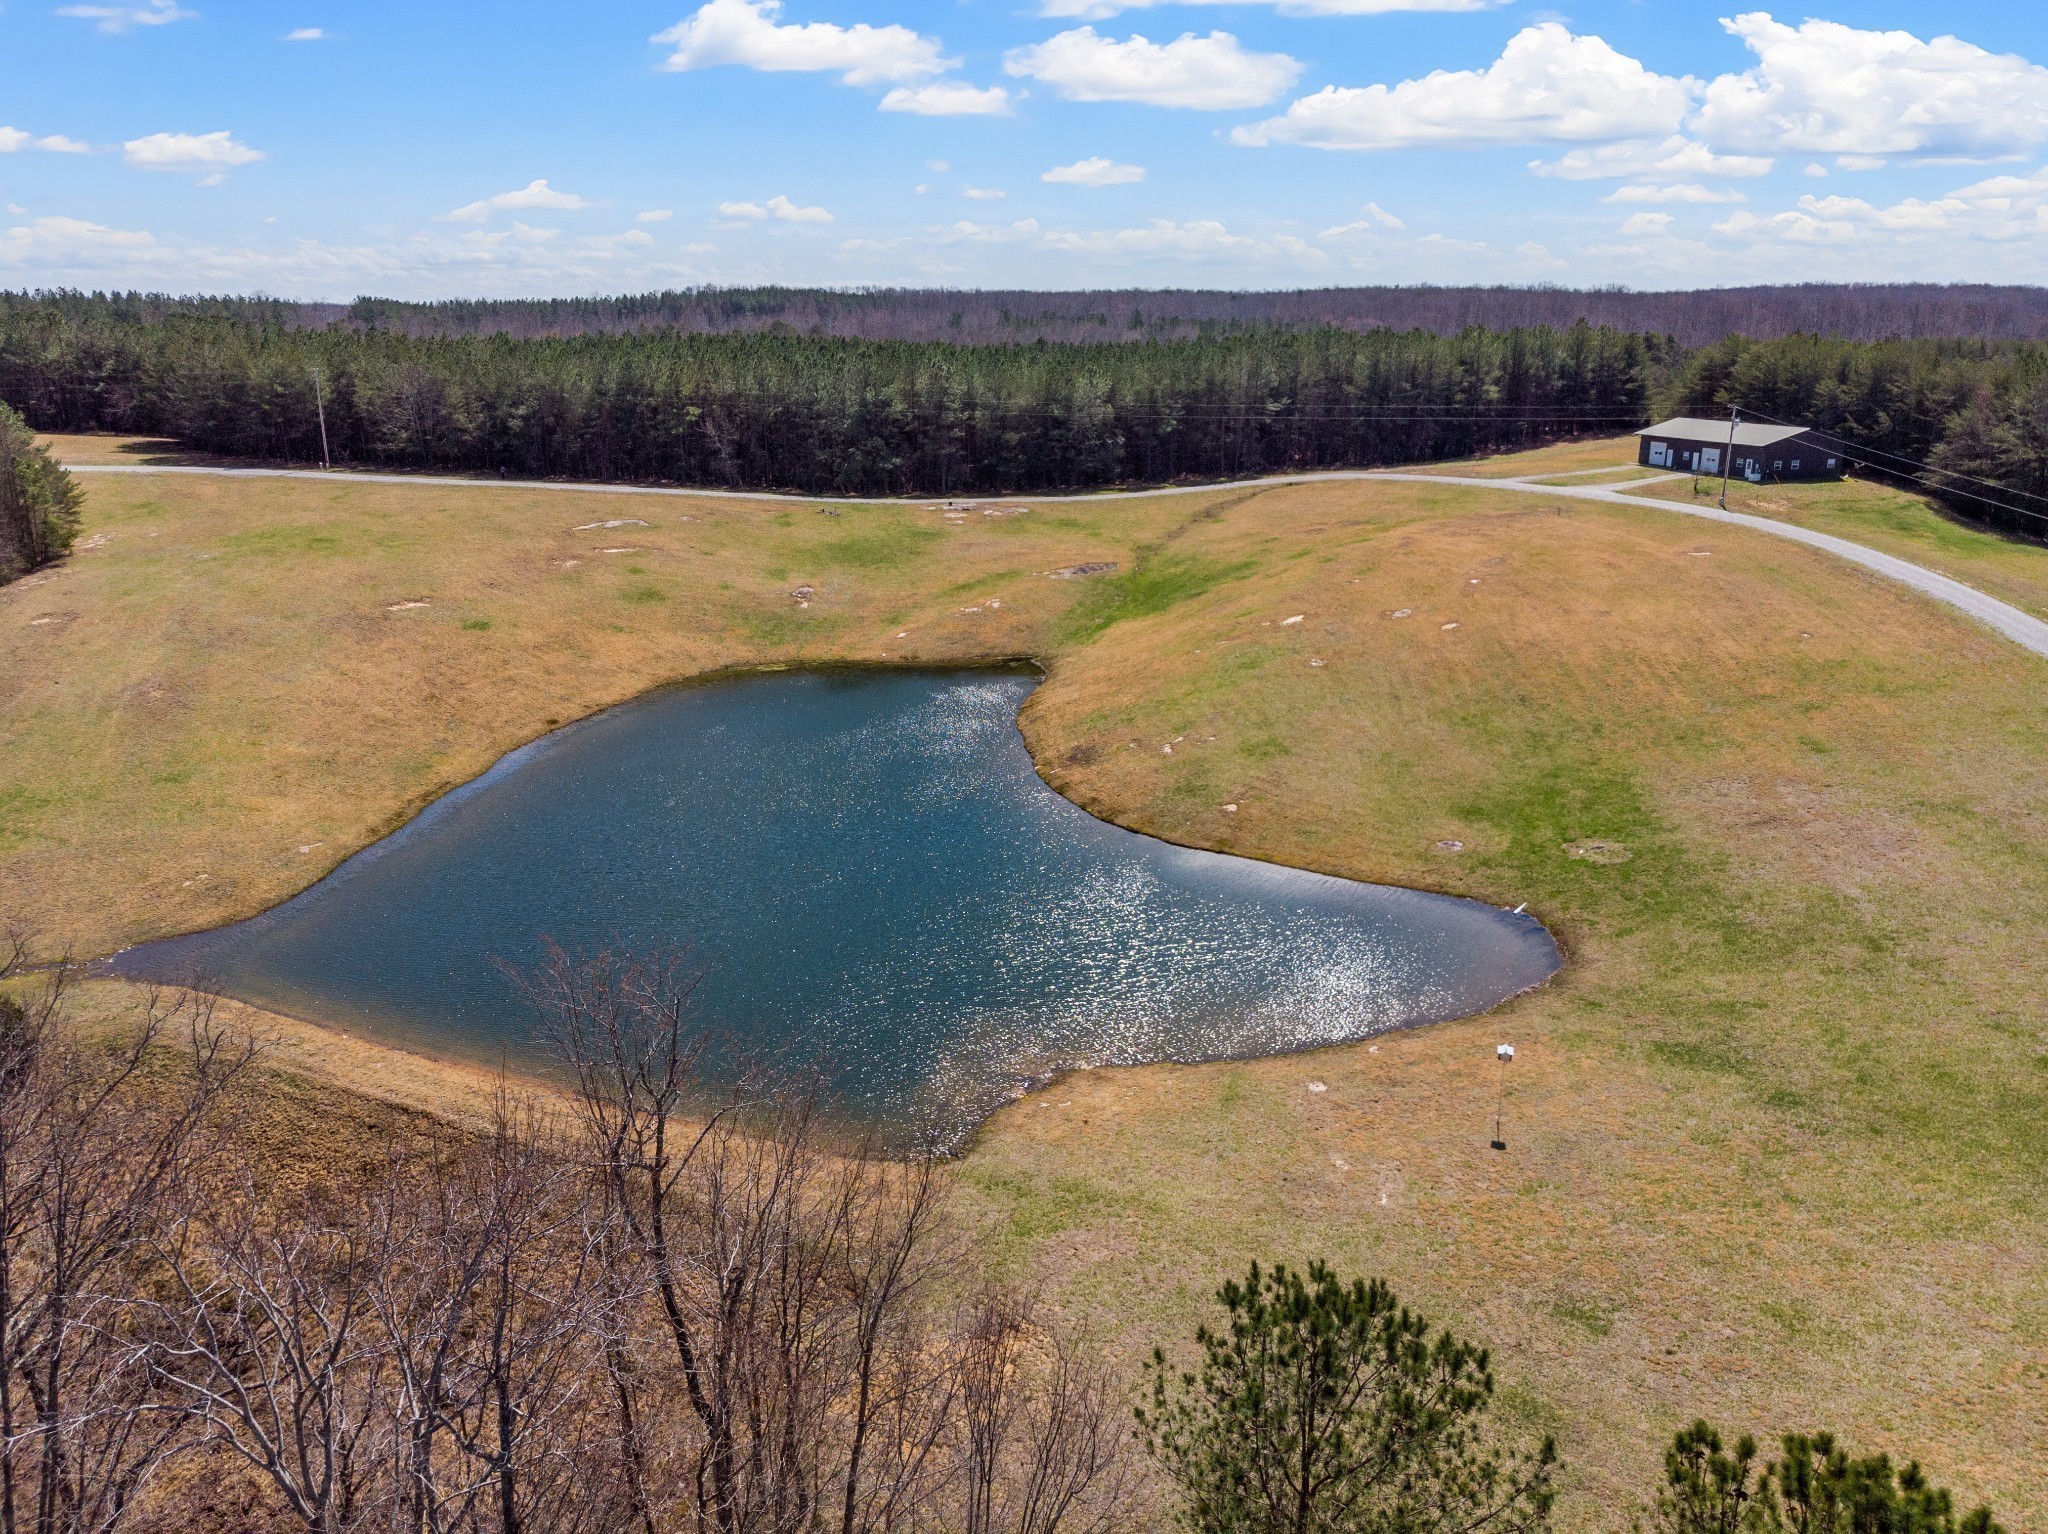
x,y
1928,474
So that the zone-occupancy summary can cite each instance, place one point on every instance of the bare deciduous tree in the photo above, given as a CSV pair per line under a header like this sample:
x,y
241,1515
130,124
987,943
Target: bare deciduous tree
x,y
654,1308
271,1346
1042,1440
487,1290
797,1285
96,1141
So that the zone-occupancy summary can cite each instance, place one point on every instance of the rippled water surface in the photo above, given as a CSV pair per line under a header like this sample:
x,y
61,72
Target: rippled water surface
x,y
875,880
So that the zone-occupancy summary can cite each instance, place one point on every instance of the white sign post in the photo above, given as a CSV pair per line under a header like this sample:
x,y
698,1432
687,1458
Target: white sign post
x,y
1503,1053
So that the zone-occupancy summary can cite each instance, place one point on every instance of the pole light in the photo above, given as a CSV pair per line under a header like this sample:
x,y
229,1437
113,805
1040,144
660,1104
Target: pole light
x,y
320,404
1504,1053
1728,463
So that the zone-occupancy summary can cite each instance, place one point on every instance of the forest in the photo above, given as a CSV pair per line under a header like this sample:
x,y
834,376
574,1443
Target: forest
x,y
816,414
1965,417
1850,311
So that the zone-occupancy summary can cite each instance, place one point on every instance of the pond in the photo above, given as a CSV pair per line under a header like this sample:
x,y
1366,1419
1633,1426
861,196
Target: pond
x,y
876,882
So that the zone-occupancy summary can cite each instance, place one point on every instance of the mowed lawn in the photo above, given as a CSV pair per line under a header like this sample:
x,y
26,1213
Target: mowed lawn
x,y
1776,1146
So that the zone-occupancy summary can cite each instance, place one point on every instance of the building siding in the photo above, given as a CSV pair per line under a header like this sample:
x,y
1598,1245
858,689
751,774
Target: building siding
x,y
1795,459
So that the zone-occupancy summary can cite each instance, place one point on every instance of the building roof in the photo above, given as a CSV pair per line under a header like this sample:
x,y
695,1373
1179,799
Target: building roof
x,y
1692,429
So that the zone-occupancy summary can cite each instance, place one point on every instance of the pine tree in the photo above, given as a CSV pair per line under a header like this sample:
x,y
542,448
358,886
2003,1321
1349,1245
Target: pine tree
x,y
1330,1408
39,502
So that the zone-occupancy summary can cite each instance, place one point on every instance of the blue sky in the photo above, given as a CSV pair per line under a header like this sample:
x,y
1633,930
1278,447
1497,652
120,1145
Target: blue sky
x,y
322,149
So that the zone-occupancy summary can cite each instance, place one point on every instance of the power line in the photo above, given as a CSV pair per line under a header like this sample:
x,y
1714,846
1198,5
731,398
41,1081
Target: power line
x,y
1928,474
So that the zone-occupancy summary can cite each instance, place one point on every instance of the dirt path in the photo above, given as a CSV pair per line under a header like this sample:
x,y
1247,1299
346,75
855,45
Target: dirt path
x,y
2020,627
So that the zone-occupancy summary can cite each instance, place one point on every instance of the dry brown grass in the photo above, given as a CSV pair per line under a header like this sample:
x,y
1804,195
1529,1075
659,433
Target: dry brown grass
x,y
218,677
2010,568
1776,1146
1576,457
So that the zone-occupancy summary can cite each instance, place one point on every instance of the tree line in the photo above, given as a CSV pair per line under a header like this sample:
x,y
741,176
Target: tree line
x,y
1964,420
1850,311
815,414
639,1308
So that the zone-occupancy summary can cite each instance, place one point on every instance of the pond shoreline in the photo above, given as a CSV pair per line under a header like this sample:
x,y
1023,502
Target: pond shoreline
x,y
1459,962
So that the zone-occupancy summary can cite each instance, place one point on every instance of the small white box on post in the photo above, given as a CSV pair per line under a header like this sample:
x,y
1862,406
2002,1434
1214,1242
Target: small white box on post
x,y
1503,1053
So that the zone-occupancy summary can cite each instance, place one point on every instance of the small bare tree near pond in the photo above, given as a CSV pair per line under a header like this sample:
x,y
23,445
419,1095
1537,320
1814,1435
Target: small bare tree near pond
x,y
414,1354
804,1301
99,1144
643,1307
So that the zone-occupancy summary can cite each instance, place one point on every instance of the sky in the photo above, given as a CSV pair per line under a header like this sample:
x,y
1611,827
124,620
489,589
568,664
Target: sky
x,y
323,149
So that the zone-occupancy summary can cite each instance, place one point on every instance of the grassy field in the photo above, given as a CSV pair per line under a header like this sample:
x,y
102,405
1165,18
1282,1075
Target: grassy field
x,y
2012,569
1776,1134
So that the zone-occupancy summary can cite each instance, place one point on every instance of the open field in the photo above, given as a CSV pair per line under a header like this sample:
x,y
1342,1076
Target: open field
x,y
1586,456
2012,569
1777,1144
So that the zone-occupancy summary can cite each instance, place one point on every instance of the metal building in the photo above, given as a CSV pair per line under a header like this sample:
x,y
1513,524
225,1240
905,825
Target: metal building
x,y
1693,446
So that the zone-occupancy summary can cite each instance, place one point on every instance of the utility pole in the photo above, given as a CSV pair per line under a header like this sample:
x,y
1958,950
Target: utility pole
x,y
320,404
1728,463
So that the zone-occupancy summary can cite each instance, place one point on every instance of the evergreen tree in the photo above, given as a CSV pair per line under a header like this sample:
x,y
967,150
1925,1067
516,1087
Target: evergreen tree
x,y
1330,1408
1817,1488
38,501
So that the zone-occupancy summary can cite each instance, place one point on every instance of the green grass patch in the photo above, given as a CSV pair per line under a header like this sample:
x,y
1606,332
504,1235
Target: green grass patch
x,y
1156,586
1595,1319
286,539
887,547
477,625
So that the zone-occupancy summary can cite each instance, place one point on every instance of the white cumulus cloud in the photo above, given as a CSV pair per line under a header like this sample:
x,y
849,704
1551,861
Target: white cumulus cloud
x,y
1673,156
1095,171
949,98
1376,218
73,237
210,155
1198,237
789,212
124,18
1997,211
13,140
1682,192
1826,88
746,33
654,216
1548,86
535,194
1095,10
1210,74
777,206
306,35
